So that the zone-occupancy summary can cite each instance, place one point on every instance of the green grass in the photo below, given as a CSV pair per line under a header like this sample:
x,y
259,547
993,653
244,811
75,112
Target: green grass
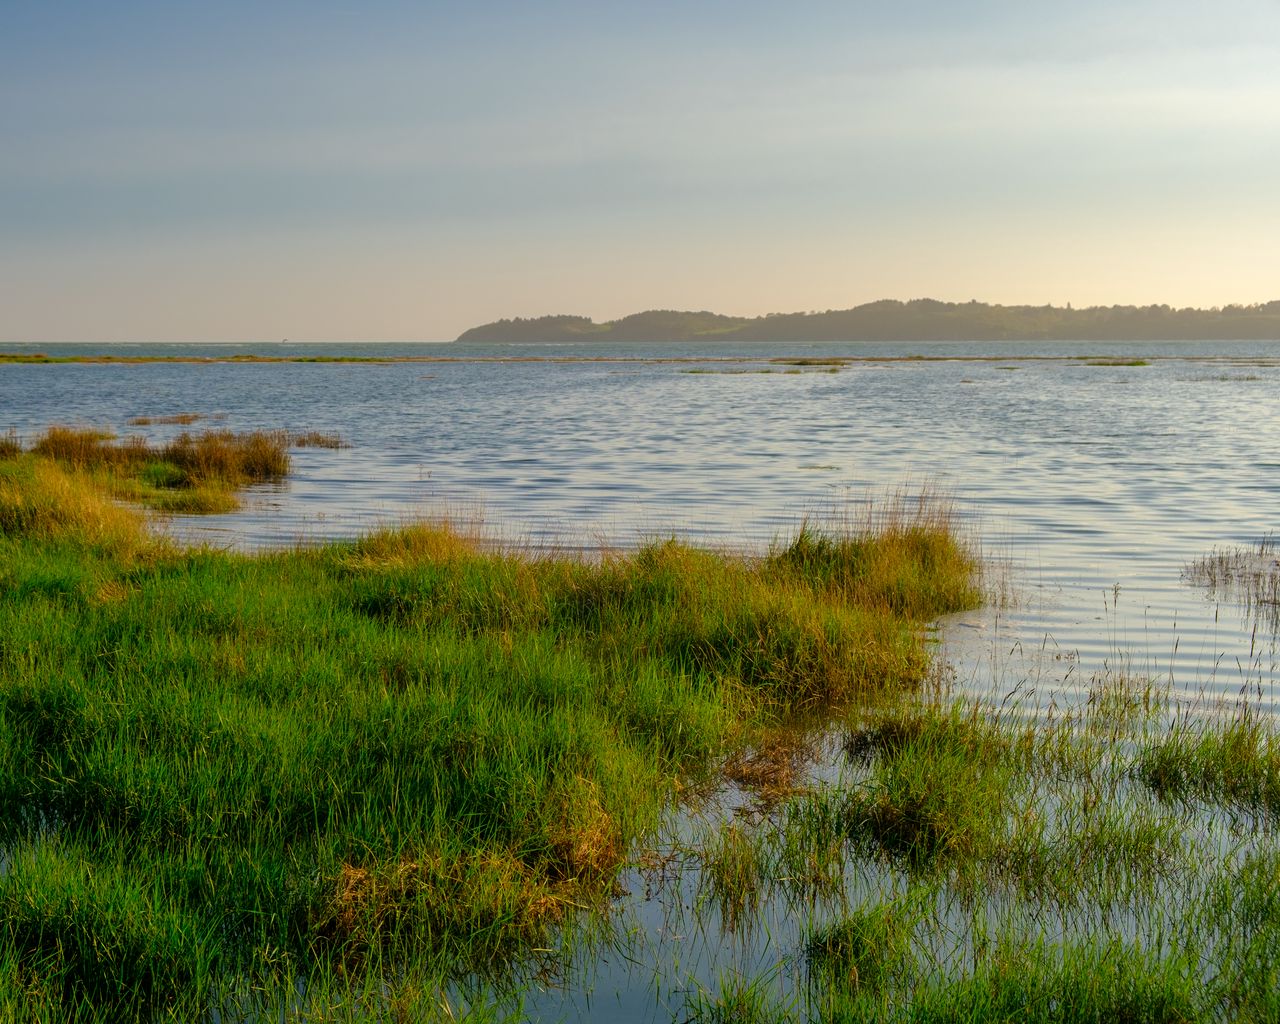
x,y
864,950
1096,982
409,756
939,786
1235,763
190,474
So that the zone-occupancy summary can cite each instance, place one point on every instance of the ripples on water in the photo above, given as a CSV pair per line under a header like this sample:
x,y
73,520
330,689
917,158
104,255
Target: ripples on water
x,y
1091,489
1095,485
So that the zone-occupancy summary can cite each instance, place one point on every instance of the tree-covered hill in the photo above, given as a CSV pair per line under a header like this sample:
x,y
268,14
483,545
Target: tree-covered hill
x,y
916,320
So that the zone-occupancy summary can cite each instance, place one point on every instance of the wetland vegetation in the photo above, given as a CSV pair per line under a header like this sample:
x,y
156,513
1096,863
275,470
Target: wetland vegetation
x,y
411,777
351,775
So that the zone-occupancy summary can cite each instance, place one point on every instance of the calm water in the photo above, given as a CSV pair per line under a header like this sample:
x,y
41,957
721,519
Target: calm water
x,y
1094,485
1090,488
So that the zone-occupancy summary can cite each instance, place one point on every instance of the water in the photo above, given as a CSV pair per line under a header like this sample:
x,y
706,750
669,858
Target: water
x,y
1091,488
1094,485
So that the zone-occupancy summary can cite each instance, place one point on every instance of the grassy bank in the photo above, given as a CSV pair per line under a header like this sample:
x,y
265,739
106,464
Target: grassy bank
x,y
340,777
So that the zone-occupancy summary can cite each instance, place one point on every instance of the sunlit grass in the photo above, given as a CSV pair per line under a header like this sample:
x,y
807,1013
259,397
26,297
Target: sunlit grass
x,y
409,756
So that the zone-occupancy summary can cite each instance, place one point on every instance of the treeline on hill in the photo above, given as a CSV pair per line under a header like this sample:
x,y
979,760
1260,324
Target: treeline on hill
x,y
916,320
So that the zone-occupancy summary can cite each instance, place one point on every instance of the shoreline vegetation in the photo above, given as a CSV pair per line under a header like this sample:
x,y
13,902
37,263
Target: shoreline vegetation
x,y
359,771
406,777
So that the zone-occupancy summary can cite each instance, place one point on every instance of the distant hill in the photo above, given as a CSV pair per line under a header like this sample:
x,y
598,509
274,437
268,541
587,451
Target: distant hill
x,y
916,320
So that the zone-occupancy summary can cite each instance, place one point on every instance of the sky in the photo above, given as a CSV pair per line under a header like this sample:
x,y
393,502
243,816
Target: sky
x,y
402,171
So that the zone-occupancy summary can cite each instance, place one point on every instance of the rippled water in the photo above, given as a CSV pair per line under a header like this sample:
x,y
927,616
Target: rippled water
x,y
1094,484
1090,487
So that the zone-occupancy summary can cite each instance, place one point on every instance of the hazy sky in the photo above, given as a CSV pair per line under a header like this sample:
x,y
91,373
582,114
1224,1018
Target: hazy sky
x,y
224,171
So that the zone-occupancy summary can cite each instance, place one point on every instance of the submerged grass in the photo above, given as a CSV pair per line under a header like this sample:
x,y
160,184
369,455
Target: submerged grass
x,y
1249,576
409,756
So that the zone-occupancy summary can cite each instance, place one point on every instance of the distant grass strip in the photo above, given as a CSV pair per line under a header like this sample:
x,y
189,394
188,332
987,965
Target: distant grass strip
x,y
224,776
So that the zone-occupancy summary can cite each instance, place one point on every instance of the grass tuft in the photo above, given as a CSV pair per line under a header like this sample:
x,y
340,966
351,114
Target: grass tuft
x,y
864,950
1234,762
938,788
318,439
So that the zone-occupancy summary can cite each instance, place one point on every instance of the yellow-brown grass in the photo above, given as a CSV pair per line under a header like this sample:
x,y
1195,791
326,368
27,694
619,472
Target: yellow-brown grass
x,y
85,447
42,499
318,439
182,419
254,457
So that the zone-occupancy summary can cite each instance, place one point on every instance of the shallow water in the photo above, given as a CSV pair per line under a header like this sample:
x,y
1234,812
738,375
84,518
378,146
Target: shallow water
x,y
1091,487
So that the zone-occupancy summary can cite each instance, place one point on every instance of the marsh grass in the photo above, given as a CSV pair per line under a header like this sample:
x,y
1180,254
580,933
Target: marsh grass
x,y
734,872
189,474
318,439
975,864
893,558
863,951
939,785
415,755
184,419
1249,576
1234,762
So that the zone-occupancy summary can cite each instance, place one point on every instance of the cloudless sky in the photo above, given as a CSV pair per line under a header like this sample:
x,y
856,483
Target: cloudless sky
x,y
396,170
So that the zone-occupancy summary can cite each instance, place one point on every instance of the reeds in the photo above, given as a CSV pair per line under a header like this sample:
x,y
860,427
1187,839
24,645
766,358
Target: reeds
x,y
184,419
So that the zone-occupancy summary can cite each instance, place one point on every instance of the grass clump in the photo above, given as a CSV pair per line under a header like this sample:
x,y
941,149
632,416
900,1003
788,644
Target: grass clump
x,y
1247,575
862,952
1090,983
184,419
236,459
405,756
938,788
733,867
318,439
908,561
190,474
1235,762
